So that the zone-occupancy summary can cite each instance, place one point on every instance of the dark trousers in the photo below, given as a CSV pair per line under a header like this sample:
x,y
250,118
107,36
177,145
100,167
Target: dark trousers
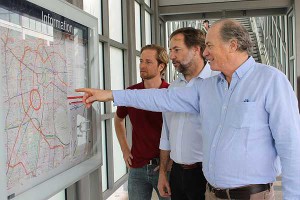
x,y
187,184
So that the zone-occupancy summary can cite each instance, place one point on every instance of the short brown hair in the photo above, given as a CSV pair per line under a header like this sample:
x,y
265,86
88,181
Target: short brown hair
x,y
161,54
192,37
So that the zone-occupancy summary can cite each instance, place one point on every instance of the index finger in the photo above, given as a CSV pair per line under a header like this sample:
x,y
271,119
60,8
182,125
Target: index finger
x,y
87,90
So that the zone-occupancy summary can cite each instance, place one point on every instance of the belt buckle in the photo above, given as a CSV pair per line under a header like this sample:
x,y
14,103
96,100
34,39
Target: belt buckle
x,y
150,162
214,190
153,161
219,191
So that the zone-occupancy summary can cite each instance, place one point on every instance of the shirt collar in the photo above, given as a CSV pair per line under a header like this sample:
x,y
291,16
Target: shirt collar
x,y
163,84
241,70
245,67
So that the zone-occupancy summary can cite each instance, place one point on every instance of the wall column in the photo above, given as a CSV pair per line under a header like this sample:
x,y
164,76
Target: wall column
x,y
297,44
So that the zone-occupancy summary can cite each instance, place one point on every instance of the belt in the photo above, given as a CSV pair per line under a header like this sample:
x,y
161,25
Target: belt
x,y
153,161
191,166
241,192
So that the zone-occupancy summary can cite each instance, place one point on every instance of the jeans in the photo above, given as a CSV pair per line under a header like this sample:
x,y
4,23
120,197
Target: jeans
x,y
141,182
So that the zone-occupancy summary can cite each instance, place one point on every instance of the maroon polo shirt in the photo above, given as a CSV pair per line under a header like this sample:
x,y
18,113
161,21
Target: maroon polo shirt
x,y
146,130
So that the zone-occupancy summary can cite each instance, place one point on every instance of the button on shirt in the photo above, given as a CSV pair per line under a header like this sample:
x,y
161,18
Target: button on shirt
x,y
246,125
181,132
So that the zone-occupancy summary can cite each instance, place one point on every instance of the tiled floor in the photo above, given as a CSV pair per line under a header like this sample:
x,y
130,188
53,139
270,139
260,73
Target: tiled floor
x,y
121,194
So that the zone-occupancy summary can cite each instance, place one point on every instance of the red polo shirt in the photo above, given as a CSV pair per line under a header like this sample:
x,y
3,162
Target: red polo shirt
x,y
146,130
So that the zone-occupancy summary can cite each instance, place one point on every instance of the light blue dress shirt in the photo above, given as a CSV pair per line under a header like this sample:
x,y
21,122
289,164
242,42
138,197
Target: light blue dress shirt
x,y
247,126
181,132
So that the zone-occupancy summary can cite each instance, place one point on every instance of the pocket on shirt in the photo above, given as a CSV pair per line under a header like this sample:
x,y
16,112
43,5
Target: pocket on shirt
x,y
242,115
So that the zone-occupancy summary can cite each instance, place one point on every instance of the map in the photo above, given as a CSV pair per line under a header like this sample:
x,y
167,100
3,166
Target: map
x,y
46,126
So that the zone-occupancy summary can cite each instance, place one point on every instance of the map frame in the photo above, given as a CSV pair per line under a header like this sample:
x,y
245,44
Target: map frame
x,y
75,173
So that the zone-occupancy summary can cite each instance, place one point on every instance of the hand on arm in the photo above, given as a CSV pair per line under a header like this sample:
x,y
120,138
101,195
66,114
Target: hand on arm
x,y
163,182
121,134
91,95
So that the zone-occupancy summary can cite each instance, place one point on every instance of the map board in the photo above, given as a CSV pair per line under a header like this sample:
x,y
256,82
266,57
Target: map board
x,y
43,58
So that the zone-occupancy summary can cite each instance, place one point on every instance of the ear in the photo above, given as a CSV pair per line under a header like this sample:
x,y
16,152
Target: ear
x,y
161,67
197,50
233,45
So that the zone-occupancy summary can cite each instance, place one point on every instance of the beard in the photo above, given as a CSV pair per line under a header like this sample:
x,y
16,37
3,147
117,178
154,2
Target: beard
x,y
183,68
146,76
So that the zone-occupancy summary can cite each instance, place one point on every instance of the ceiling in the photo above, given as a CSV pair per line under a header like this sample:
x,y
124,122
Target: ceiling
x,y
173,10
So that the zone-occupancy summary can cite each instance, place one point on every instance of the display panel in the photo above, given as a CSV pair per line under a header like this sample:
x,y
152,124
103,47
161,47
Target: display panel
x,y
43,58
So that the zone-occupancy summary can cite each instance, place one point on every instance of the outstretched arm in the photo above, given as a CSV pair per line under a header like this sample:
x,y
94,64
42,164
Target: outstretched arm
x,y
159,100
91,95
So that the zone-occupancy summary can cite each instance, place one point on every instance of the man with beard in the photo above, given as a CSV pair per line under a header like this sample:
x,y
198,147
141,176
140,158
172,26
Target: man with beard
x,y
143,157
181,137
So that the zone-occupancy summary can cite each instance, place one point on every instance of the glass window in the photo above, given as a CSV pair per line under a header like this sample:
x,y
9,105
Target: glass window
x,y
291,36
104,157
138,37
167,73
148,2
148,27
291,72
163,33
103,127
100,24
101,75
115,20
138,77
283,30
119,164
94,8
291,49
116,70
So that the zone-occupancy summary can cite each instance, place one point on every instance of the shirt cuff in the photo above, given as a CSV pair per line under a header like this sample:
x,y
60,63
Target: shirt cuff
x,y
119,97
164,145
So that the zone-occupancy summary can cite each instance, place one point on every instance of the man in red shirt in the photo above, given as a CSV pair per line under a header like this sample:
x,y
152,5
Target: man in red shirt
x,y
143,157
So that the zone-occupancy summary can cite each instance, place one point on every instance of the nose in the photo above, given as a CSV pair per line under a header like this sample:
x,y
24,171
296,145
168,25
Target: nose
x,y
171,55
205,53
142,65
